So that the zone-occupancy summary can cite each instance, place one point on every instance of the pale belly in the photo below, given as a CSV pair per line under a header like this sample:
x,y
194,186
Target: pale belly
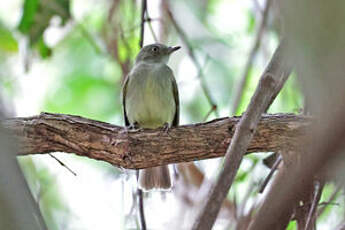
x,y
152,104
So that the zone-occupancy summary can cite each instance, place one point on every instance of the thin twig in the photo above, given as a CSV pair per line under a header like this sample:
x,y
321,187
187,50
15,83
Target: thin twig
x,y
247,193
213,108
90,38
243,135
316,197
163,25
63,164
192,55
250,60
142,25
330,200
135,27
322,204
141,205
141,209
147,19
269,176
140,192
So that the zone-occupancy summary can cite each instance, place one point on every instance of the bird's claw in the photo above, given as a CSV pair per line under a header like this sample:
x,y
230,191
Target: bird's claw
x,y
134,127
166,128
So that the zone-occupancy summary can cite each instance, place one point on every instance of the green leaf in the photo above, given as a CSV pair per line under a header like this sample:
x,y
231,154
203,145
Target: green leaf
x,y
28,17
43,49
7,42
292,225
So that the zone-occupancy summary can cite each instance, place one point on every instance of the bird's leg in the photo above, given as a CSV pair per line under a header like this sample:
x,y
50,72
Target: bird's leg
x,y
166,128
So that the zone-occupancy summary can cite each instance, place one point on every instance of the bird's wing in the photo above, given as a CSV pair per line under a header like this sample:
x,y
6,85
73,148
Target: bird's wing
x,y
177,100
124,93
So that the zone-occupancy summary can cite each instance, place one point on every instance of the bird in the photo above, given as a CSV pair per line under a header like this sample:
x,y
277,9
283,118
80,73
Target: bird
x,y
150,100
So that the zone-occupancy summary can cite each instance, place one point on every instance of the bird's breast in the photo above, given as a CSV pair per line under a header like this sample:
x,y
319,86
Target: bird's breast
x,y
150,101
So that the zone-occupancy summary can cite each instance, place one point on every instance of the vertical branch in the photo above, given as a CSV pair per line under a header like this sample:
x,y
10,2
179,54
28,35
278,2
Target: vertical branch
x,y
245,130
140,192
142,24
141,205
192,55
250,60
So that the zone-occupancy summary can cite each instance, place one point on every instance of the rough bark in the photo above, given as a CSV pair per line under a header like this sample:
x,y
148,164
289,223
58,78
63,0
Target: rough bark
x,y
148,148
270,80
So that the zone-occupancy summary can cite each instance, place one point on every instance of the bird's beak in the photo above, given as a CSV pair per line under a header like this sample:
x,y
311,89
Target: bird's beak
x,y
172,49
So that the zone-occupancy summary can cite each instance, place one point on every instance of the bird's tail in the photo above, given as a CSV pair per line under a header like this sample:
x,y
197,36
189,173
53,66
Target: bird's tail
x,y
157,178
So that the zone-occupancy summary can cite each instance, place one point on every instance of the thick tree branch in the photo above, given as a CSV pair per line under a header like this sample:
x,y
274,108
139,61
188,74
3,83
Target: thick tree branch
x,y
48,132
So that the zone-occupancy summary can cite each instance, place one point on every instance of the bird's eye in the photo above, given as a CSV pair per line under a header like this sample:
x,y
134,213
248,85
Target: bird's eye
x,y
155,49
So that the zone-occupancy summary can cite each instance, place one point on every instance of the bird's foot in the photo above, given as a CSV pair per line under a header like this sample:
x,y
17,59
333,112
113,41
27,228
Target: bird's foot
x,y
166,128
132,128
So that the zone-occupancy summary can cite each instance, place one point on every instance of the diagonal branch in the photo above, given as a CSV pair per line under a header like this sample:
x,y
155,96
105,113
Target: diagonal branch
x,y
244,133
48,132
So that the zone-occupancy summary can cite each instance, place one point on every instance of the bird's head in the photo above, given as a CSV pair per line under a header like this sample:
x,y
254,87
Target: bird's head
x,y
156,53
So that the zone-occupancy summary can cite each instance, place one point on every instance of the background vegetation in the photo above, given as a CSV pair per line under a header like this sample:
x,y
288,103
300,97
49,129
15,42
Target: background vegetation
x,y
71,56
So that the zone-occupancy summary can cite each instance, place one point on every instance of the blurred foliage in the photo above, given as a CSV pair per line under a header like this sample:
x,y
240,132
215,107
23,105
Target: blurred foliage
x,y
90,60
88,83
120,33
8,44
292,225
36,19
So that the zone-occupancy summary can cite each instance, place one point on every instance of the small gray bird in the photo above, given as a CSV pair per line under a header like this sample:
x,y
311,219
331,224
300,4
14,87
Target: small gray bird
x,y
150,100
